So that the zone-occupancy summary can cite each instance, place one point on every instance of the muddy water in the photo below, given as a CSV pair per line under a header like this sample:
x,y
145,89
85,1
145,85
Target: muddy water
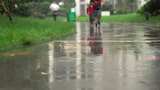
x,y
122,57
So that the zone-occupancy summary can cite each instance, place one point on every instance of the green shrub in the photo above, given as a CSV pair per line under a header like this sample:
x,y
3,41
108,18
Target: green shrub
x,y
152,7
29,31
34,9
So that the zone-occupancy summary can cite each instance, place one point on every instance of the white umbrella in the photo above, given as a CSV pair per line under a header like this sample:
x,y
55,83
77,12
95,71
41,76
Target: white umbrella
x,y
61,3
54,7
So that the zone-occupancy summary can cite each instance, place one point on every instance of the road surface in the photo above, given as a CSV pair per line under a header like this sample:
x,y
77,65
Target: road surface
x,y
124,57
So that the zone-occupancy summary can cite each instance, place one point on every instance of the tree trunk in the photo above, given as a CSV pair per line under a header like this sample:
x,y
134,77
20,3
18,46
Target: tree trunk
x,y
5,9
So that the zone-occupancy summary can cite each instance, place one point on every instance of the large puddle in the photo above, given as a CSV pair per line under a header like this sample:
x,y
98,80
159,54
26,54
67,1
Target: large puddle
x,y
122,57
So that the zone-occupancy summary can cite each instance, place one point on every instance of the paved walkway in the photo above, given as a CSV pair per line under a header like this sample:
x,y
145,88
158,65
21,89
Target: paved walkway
x,y
123,57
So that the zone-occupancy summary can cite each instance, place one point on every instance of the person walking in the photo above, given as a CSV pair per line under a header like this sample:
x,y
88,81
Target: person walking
x,y
94,13
54,7
90,11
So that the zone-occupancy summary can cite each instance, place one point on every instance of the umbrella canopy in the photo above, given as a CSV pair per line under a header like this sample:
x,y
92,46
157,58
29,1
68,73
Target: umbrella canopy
x,y
61,3
54,7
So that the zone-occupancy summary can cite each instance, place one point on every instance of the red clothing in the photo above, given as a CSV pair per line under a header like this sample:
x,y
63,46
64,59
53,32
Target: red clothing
x,y
92,41
97,2
90,10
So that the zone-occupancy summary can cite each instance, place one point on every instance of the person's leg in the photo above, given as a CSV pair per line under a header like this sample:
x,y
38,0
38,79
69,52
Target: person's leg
x,y
55,15
55,18
99,21
91,25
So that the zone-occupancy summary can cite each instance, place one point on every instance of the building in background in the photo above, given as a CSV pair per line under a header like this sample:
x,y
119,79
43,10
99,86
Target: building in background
x,y
81,6
126,5
121,6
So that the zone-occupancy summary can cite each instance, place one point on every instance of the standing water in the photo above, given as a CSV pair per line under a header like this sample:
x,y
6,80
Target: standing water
x,y
123,57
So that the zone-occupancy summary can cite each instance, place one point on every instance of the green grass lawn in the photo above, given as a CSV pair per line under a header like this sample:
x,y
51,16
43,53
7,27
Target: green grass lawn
x,y
131,18
28,31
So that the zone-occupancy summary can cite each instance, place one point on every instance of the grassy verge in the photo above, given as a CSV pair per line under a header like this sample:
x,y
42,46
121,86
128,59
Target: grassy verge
x,y
131,18
28,31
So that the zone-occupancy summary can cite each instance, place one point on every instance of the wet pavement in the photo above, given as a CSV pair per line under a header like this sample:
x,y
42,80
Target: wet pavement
x,y
123,57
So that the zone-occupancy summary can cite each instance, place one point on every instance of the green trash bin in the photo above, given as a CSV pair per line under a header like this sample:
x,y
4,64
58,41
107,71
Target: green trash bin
x,y
71,16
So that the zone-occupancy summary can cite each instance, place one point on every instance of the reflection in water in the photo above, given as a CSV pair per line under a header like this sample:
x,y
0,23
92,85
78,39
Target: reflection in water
x,y
95,40
96,49
51,64
78,52
82,64
154,35
95,43
11,54
134,71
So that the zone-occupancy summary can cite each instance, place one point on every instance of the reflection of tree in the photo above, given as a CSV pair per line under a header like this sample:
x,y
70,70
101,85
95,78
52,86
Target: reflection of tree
x,y
153,34
59,49
128,36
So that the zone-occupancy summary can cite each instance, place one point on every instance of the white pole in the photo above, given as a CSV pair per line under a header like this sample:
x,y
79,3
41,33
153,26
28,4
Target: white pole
x,y
77,7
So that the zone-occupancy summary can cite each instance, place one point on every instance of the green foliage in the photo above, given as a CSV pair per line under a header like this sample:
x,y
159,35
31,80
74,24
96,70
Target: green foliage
x,y
152,7
131,1
36,8
133,17
118,12
128,18
33,9
27,1
27,31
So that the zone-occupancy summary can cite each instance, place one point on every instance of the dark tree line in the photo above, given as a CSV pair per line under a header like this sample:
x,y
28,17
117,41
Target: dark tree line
x,y
6,7
34,8
10,7
152,7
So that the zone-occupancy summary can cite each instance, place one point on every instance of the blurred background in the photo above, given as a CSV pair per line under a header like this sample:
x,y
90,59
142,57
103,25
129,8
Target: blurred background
x,y
40,8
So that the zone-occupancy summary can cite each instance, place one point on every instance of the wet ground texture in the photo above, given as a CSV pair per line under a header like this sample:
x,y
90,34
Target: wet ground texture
x,y
122,57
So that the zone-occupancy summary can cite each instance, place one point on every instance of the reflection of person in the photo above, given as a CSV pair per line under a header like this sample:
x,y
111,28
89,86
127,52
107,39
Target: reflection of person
x,y
95,43
54,8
